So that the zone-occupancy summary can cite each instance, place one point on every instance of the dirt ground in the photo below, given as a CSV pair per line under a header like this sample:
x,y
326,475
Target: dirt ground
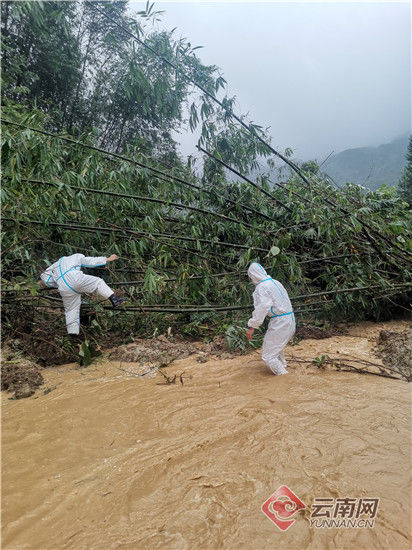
x,y
395,349
110,459
162,351
19,375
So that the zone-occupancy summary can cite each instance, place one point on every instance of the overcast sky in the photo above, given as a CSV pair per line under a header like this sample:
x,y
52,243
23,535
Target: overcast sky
x,y
324,76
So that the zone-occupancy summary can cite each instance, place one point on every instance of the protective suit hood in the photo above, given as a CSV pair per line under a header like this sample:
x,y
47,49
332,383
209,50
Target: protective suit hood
x,y
256,273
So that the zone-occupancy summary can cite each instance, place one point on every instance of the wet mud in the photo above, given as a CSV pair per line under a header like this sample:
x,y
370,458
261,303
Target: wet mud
x,y
19,374
395,349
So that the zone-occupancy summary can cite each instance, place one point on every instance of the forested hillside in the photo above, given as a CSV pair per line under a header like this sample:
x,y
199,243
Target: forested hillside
x,y
91,94
369,166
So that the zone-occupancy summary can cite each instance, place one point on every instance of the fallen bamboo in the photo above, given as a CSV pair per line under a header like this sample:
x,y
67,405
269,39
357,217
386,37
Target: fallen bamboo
x,y
366,226
117,229
140,198
159,174
207,307
247,127
107,231
344,366
177,311
211,96
190,239
249,181
251,130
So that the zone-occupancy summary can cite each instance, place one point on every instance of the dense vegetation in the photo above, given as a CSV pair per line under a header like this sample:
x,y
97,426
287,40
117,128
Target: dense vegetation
x,y
185,232
405,183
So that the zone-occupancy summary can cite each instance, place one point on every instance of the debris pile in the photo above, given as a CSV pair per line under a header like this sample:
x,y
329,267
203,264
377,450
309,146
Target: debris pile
x,y
19,375
395,349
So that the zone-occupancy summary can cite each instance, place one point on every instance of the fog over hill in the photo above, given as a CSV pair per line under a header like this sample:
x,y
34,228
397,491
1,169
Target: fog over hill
x,y
323,76
369,166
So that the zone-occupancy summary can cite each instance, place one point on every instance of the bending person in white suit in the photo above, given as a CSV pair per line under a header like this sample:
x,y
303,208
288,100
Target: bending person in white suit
x,y
271,298
66,275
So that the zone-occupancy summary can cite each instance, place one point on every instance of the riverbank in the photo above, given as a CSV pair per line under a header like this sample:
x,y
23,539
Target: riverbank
x,y
110,459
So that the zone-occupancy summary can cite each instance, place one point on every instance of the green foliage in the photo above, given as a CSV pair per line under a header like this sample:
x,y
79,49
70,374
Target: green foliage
x,y
114,94
87,353
175,257
86,75
40,57
321,361
310,166
235,337
405,183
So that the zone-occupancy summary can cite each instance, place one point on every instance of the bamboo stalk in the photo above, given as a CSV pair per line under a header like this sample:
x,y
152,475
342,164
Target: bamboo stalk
x,y
249,181
141,198
107,231
281,185
94,229
160,309
344,210
236,308
229,112
190,239
117,229
247,127
159,174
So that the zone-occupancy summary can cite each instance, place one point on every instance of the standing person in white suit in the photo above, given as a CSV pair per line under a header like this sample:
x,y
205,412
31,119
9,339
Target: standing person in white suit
x,y
66,275
271,298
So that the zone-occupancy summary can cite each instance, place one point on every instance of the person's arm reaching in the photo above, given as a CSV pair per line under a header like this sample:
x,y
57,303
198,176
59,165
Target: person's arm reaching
x,y
99,261
262,303
46,277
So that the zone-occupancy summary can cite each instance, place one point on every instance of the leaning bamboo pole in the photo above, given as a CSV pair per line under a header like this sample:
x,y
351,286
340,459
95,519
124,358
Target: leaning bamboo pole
x,y
319,259
244,271
367,228
211,96
249,128
106,231
245,178
158,173
139,198
118,229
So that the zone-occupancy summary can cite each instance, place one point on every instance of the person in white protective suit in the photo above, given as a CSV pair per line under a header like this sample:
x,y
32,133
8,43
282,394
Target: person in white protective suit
x,y
271,298
67,276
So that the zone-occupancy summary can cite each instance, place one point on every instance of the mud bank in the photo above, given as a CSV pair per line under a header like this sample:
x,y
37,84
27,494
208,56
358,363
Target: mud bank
x,y
111,460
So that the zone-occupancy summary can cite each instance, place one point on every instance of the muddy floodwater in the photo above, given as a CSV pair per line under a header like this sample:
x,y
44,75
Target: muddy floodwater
x,y
110,460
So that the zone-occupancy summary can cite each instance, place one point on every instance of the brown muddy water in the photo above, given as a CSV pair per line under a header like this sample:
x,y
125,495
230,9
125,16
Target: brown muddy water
x,y
109,460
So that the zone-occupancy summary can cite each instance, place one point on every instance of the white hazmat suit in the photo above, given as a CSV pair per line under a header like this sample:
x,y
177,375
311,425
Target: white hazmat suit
x,y
66,275
271,298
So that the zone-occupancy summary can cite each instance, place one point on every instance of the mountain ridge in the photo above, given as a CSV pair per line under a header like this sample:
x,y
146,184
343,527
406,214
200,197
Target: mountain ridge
x,y
369,166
